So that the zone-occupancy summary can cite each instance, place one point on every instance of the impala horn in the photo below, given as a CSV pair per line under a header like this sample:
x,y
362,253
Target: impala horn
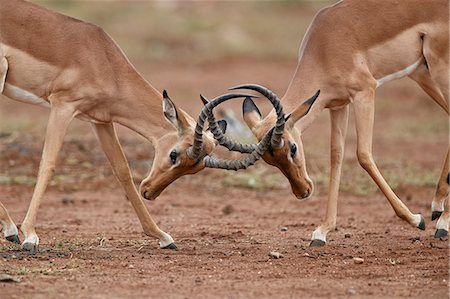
x,y
195,151
255,150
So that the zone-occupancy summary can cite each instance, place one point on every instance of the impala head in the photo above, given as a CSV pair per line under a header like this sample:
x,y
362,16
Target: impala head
x,y
286,150
172,159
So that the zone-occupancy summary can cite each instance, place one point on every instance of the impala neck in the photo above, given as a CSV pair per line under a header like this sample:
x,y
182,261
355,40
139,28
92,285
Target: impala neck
x,y
140,109
302,87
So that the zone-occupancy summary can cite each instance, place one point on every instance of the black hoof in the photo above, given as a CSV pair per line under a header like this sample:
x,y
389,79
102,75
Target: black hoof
x,y
441,233
32,248
435,215
171,246
13,238
317,243
422,223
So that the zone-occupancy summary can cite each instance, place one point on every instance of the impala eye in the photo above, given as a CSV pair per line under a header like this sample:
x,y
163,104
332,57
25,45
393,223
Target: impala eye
x,y
293,147
173,157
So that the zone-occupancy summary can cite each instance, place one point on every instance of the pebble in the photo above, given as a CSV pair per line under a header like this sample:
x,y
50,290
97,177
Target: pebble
x,y
351,291
228,209
275,255
347,236
67,200
9,278
358,260
284,229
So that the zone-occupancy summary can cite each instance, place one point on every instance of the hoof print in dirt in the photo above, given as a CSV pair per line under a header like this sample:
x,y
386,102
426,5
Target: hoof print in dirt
x,y
30,247
422,223
317,243
441,234
13,238
171,246
435,215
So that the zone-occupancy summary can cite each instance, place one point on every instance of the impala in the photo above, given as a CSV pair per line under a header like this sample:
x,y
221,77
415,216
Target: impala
x,y
77,70
349,50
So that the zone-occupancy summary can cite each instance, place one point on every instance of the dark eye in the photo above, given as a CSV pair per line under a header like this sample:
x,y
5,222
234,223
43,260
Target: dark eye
x,y
173,157
293,149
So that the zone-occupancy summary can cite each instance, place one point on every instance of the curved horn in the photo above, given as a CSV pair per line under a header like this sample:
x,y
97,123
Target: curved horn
x,y
277,137
195,151
255,155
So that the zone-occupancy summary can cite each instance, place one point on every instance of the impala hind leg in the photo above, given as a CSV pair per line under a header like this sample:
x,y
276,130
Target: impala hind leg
x,y
442,191
441,202
9,228
339,122
364,109
111,146
59,120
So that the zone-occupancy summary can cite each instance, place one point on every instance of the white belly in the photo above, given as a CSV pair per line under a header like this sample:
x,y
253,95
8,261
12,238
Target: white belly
x,y
400,74
24,96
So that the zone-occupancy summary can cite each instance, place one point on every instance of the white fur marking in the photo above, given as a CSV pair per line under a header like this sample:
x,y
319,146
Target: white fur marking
x,y
442,222
166,241
318,235
403,73
21,95
436,207
417,220
32,238
9,229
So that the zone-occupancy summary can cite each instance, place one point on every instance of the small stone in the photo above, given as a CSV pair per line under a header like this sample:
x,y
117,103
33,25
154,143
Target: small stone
x,y
284,229
347,236
358,260
227,210
275,255
351,291
9,278
130,266
67,200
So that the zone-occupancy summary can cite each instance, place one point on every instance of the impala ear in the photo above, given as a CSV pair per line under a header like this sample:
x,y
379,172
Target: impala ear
x,y
176,118
302,110
222,125
251,113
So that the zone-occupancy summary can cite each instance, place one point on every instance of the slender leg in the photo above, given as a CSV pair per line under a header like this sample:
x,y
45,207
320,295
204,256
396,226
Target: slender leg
x,y
339,122
111,146
442,191
364,116
9,228
439,93
441,202
59,120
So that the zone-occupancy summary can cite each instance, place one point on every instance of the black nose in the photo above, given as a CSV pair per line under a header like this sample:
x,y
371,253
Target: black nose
x,y
145,194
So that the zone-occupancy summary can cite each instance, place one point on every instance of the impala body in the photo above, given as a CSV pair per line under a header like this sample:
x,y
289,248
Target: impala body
x,y
77,70
349,50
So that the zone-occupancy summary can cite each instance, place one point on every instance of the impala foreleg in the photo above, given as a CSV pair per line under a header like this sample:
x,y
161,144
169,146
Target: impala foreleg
x,y
9,228
364,109
111,146
59,120
339,121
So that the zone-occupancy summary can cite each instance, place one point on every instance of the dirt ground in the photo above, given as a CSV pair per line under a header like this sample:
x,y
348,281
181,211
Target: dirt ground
x,y
224,224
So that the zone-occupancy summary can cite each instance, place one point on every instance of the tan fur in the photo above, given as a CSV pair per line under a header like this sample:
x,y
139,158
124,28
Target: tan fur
x,y
79,70
347,51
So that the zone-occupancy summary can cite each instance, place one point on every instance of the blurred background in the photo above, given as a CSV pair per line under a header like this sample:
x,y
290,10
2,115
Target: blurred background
x,y
193,47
